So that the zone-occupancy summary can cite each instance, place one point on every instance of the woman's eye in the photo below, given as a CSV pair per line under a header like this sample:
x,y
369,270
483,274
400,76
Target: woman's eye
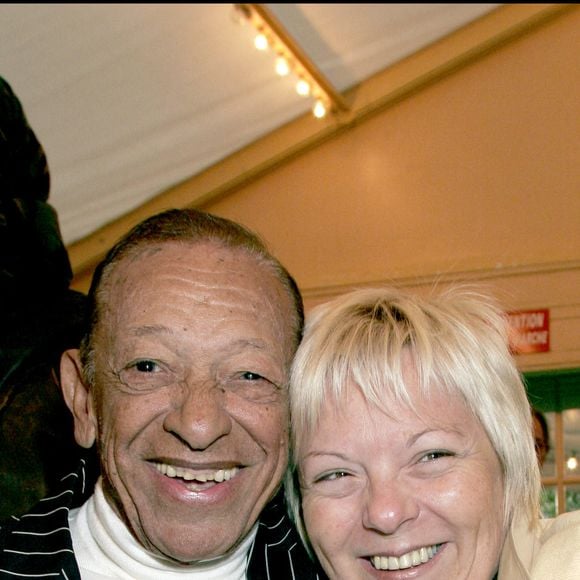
x,y
332,476
433,455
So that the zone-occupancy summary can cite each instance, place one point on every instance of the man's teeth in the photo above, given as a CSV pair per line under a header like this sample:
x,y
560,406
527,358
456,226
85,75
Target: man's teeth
x,y
192,475
408,560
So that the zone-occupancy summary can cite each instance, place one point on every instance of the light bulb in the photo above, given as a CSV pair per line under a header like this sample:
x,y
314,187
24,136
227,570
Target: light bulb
x,y
282,67
261,42
572,463
319,110
303,88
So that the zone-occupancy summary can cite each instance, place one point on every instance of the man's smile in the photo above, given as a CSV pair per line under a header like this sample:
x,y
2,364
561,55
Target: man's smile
x,y
201,476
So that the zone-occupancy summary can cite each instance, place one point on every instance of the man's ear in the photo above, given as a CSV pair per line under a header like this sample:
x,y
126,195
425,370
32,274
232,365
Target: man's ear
x,y
78,398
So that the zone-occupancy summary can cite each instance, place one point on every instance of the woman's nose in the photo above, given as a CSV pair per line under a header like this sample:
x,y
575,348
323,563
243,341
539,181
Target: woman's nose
x,y
388,506
199,416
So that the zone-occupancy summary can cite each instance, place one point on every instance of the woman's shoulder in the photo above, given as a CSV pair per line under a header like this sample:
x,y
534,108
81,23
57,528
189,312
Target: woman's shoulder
x,y
546,551
562,525
558,556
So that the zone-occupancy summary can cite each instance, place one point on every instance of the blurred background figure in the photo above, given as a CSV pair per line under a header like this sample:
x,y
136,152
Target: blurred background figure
x,y
40,316
541,436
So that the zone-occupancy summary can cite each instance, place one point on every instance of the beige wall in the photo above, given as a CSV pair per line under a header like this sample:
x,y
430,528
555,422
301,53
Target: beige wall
x,y
476,177
461,163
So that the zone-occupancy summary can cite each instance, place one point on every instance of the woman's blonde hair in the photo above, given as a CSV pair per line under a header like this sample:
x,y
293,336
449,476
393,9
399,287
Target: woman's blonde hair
x,y
458,342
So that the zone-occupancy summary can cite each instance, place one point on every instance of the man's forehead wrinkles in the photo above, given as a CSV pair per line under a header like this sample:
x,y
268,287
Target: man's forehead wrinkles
x,y
233,345
212,280
150,329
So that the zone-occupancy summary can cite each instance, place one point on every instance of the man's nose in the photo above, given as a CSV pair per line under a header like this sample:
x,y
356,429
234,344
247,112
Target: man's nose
x,y
199,416
389,505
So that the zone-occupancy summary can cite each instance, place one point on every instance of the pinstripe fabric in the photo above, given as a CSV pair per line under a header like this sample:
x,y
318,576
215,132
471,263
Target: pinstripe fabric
x,y
39,545
278,553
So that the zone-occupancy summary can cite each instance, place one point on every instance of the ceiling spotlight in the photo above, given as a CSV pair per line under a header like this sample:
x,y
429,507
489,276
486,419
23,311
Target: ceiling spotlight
x,y
303,88
282,66
291,59
261,41
319,109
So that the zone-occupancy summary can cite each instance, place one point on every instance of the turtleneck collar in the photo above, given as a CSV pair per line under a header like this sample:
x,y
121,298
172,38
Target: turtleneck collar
x,y
105,549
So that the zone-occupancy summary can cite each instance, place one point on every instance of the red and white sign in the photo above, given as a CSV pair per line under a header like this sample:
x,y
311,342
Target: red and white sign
x,y
529,331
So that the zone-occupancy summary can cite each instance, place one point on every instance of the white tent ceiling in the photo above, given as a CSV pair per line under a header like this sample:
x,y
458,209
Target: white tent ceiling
x,y
131,99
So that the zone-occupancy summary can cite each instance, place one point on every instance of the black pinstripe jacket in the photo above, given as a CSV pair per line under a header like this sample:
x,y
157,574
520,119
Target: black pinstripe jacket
x,y
39,544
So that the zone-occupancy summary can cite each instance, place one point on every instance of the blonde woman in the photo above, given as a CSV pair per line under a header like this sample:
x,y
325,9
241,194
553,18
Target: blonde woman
x,y
412,448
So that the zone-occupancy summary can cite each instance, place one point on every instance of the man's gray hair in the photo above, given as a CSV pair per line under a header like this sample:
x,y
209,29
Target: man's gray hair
x,y
188,226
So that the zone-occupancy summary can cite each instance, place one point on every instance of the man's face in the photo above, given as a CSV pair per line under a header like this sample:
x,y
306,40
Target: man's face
x,y
192,355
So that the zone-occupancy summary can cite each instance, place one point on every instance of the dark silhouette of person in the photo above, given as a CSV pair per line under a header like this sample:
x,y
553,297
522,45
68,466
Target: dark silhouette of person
x,y
40,317
541,436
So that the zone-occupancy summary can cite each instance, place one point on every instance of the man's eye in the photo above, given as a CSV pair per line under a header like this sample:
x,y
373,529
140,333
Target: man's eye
x,y
146,366
250,376
252,386
146,375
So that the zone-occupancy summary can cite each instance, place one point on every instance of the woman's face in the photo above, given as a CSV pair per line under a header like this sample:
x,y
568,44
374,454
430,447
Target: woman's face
x,y
403,495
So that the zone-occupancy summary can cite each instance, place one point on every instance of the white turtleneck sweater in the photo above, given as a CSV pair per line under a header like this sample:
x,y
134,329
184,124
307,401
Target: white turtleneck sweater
x,y
105,549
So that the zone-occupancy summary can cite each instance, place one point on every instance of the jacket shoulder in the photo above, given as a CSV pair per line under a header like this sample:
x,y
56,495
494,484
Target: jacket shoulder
x,y
278,551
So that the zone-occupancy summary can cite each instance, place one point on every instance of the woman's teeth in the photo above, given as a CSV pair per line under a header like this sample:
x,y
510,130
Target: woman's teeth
x,y
408,560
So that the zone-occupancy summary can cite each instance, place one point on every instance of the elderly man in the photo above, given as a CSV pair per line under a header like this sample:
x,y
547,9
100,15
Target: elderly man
x,y
181,383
